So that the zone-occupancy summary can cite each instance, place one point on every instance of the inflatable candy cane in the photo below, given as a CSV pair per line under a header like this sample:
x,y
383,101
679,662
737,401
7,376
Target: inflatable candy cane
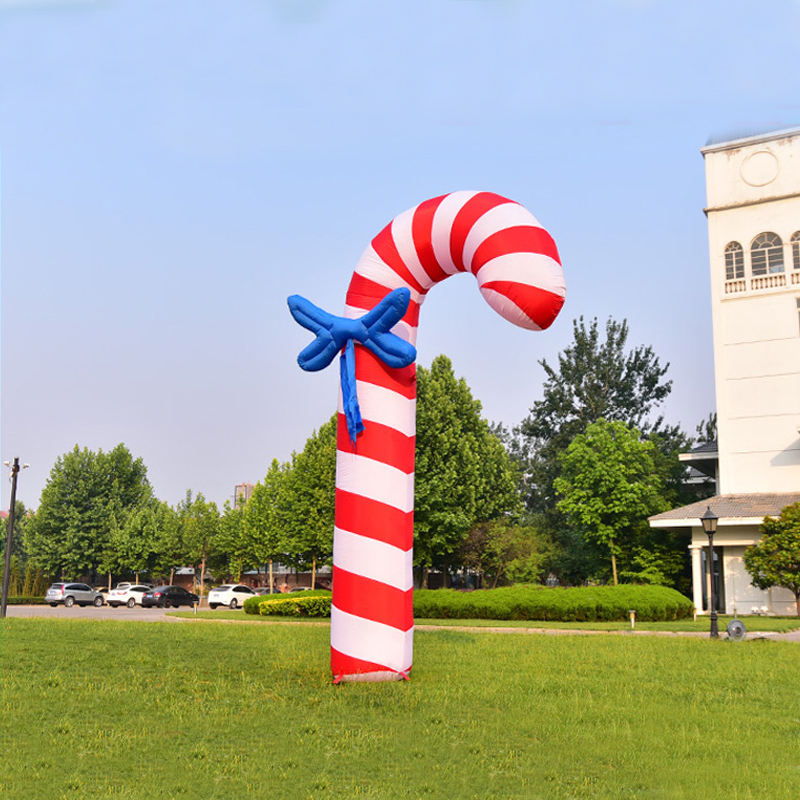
x,y
519,274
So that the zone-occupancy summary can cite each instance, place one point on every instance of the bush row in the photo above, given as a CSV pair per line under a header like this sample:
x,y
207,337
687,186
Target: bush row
x,y
253,604
585,603
297,607
25,601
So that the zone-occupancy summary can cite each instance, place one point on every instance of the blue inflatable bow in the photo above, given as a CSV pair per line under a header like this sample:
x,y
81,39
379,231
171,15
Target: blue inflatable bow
x,y
373,330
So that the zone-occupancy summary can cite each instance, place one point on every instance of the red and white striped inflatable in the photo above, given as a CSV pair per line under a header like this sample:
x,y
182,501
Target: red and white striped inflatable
x,y
519,274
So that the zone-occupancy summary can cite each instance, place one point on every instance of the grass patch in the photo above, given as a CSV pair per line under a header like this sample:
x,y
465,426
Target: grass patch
x,y
141,710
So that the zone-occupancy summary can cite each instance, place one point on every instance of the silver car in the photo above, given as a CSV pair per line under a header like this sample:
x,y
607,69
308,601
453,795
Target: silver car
x,y
71,593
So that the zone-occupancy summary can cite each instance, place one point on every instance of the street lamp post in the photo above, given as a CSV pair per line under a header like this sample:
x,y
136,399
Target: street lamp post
x,y
9,536
709,522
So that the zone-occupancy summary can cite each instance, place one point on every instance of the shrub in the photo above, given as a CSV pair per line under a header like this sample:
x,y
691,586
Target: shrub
x,y
319,606
253,604
582,604
25,601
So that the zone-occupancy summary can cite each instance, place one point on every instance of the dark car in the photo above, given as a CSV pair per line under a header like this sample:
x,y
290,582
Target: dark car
x,y
166,596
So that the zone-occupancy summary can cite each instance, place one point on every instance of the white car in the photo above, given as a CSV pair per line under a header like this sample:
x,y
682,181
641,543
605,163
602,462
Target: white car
x,y
126,594
231,595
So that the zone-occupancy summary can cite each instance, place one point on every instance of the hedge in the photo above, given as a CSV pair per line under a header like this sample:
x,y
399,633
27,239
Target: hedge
x,y
25,601
582,604
253,604
585,603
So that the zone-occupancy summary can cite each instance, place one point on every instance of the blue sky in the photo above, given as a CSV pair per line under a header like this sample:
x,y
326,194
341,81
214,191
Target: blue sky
x,y
170,171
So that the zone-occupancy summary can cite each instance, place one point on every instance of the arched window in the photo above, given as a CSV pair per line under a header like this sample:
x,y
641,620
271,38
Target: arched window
x,y
766,254
795,240
734,261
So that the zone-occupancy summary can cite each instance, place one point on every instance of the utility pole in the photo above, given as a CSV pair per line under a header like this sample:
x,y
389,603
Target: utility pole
x,y
10,535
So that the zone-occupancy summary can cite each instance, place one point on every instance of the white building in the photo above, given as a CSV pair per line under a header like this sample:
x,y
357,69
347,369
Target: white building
x,y
753,211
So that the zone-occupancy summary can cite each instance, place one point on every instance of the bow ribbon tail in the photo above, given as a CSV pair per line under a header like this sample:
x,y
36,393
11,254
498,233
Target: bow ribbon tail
x,y
347,371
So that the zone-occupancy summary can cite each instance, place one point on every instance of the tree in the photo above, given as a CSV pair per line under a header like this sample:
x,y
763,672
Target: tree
x,y
265,537
199,526
775,560
595,378
139,546
506,553
87,498
307,500
233,555
608,484
463,475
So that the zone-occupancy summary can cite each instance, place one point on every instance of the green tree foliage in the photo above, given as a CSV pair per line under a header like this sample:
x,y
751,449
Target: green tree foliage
x,y
596,377
85,502
199,526
505,553
265,537
21,519
464,475
233,554
146,541
306,500
775,560
608,484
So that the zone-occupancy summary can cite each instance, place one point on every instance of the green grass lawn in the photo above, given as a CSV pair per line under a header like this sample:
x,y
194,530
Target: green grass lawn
x,y
702,624
115,709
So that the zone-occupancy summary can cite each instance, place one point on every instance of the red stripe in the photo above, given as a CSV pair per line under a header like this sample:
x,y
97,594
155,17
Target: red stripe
x,y
379,443
517,239
539,305
469,214
342,665
370,369
366,294
372,518
421,231
384,245
362,597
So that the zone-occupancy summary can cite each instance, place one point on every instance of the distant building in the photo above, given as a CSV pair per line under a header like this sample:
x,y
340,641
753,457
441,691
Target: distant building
x,y
753,195
242,492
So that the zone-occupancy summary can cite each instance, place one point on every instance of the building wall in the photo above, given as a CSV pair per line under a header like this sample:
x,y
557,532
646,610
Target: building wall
x,y
741,596
753,187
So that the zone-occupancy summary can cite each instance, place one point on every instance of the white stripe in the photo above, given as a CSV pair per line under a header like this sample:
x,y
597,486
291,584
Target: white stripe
x,y
372,267
402,329
372,559
404,242
506,215
443,227
377,481
531,269
371,641
508,310
386,407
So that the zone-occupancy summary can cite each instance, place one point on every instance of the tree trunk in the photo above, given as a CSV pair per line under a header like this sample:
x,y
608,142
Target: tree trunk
x,y
313,571
171,575
270,576
797,601
109,581
202,579
424,577
614,568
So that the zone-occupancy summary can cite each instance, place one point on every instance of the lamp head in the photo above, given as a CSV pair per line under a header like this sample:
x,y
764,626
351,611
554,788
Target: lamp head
x,y
709,521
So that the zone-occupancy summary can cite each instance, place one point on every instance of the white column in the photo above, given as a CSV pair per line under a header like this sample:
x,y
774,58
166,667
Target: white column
x,y
697,578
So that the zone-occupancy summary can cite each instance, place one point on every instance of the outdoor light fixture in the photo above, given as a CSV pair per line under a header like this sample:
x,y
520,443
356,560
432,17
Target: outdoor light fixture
x,y
709,522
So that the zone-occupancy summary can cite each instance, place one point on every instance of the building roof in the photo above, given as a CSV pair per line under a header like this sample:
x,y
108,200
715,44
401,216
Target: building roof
x,y
746,136
732,509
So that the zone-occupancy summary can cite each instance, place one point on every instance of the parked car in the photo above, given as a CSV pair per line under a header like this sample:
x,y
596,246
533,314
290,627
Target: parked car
x,y
166,596
231,595
128,595
71,593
